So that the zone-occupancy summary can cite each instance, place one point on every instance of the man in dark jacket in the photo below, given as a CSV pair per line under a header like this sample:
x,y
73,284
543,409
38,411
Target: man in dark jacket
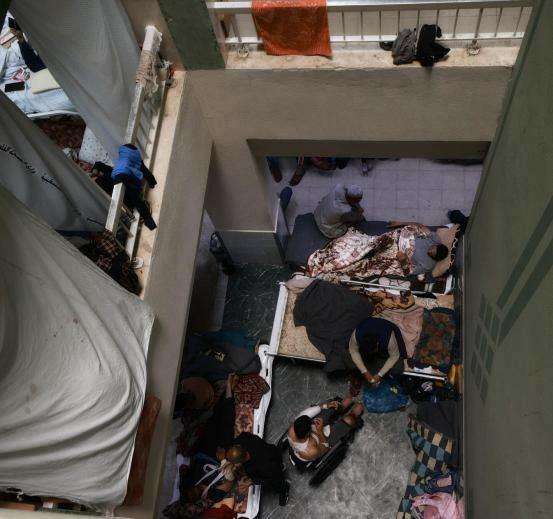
x,y
261,461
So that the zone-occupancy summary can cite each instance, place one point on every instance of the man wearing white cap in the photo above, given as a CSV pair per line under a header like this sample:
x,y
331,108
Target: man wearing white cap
x,y
339,209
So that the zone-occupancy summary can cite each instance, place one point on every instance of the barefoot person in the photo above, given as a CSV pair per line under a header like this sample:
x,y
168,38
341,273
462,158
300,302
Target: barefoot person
x,y
316,429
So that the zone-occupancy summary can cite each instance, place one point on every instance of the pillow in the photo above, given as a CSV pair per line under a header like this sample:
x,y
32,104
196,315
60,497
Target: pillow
x,y
42,81
446,235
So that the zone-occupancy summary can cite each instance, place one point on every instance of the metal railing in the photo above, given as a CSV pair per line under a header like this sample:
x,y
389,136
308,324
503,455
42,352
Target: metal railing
x,y
142,131
358,21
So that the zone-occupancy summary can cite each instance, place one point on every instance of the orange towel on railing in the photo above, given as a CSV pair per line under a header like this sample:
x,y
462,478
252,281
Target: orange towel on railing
x,y
298,27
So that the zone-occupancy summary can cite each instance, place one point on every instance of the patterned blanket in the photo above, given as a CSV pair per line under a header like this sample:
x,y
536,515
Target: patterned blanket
x,y
357,255
433,450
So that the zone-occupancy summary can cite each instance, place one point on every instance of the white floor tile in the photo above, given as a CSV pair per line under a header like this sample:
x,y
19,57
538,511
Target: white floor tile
x,y
430,199
453,199
385,198
407,199
406,189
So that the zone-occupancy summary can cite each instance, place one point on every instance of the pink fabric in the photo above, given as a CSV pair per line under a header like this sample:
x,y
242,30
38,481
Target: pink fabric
x,y
440,506
409,321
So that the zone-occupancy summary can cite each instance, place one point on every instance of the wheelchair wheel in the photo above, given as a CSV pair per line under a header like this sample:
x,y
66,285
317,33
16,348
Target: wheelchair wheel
x,y
329,465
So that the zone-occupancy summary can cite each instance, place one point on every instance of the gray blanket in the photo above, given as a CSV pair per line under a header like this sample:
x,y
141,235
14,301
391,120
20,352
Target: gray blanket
x,y
330,313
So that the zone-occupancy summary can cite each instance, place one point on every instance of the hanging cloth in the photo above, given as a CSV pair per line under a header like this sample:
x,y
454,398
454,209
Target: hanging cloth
x,y
43,178
293,27
90,48
73,372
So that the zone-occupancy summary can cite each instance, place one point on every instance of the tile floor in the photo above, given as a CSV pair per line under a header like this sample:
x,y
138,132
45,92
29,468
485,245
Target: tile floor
x,y
406,189
371,481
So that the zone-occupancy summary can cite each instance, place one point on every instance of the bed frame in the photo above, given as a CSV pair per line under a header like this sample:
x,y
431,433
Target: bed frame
x,y
307,350
51,113
259,415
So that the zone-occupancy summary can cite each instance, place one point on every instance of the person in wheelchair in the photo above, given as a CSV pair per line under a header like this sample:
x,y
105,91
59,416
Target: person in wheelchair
x,y
318,428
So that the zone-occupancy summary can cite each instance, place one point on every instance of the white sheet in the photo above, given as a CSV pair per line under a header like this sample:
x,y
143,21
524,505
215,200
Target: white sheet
x,y
73,349
90,49
43,178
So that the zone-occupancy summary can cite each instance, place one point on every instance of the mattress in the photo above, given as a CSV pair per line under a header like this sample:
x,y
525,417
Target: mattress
x,y
289,340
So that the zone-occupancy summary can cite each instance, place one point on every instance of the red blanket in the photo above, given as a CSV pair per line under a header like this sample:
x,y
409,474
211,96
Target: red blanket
x,y
293,27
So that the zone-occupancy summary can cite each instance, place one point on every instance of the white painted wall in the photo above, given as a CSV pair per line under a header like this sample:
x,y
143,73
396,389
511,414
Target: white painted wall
x,y
457,101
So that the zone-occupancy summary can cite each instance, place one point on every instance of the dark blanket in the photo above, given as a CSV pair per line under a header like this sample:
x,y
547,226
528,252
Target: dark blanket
x,y
214,355
330,313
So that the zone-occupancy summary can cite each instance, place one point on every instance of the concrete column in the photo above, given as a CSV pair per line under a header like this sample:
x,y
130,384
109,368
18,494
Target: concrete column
x,y
194,35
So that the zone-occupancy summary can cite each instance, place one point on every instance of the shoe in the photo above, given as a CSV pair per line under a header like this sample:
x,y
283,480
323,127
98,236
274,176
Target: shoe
x,y
284,495
430,485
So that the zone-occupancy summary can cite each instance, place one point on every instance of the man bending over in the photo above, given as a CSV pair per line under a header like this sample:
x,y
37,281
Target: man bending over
x,y
339,209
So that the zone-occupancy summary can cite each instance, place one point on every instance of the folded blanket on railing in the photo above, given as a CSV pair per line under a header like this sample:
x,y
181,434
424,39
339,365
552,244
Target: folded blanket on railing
x,y
293,27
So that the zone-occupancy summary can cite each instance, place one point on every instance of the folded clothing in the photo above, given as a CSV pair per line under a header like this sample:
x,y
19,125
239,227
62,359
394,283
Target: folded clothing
x,y
330,313
293,27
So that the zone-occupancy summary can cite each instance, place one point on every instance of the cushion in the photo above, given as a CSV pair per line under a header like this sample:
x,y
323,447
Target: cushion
x,y
447,236
42,81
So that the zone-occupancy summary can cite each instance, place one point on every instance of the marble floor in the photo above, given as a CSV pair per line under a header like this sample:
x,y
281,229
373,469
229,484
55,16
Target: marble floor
x,y
370,482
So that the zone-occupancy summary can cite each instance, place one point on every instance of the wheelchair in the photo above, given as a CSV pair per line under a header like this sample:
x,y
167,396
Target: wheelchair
x,y
328,462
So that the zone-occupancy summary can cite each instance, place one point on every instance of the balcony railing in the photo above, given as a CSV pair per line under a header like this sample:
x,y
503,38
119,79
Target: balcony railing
x,y
359,21
142,130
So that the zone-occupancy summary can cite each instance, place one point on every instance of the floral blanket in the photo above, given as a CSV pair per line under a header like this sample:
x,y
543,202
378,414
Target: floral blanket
x,y
357,255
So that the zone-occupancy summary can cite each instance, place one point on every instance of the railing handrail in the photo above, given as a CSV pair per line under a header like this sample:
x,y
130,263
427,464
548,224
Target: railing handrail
x,y
341,6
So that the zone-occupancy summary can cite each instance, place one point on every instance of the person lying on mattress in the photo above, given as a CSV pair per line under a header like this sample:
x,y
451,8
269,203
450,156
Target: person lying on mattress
x,y
376,338
427,252
339,209
318,428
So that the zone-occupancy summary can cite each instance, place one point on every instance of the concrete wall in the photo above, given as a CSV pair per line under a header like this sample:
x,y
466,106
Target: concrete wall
x,y
509,302
171,274
353,106
147,12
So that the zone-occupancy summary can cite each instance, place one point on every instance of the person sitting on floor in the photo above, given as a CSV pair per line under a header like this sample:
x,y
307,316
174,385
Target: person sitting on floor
x,y
316,429
339,209
261,461
375,337
427,252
